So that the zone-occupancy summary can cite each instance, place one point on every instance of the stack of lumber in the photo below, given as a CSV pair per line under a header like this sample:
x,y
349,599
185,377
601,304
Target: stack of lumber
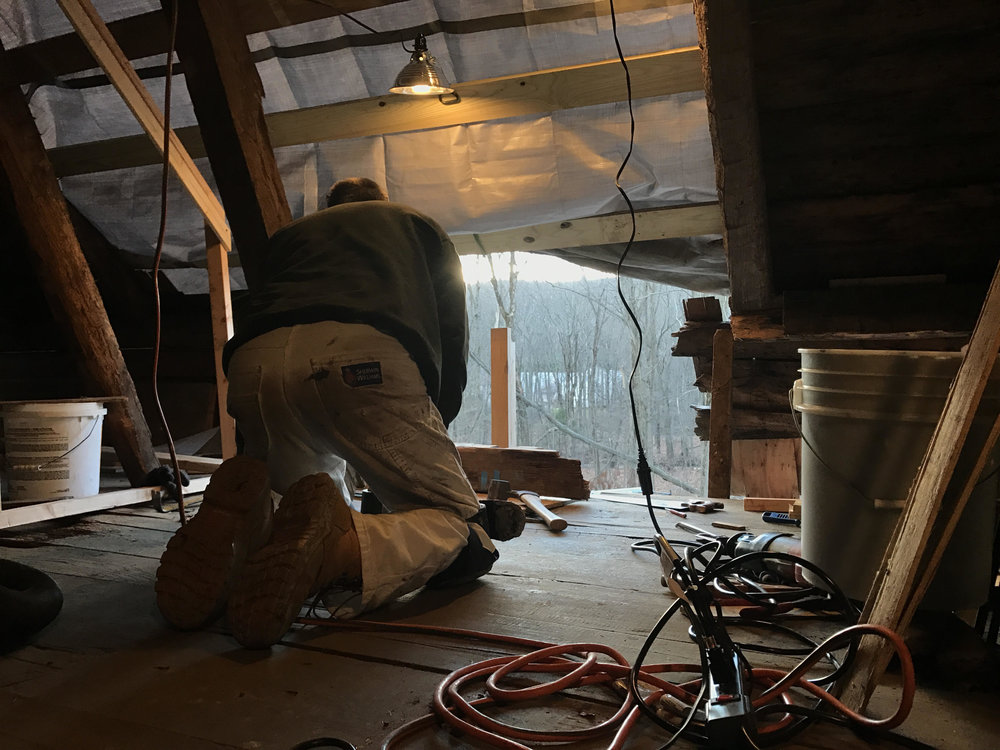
x,y
766,359
544,472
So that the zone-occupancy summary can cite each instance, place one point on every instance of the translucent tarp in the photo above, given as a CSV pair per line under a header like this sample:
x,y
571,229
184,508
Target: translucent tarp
x,y
472,178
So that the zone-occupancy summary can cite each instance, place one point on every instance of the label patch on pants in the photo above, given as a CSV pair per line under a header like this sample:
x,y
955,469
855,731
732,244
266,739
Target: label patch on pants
x,y
365,373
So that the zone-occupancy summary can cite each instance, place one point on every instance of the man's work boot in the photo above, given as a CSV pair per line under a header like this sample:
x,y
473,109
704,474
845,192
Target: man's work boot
x,y
205,556
313,545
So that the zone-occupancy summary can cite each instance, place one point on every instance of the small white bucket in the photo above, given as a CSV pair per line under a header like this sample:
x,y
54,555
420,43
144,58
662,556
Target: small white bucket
x,y
52,450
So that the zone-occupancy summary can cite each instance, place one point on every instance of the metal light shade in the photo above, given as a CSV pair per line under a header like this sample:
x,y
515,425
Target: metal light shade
x,y
420,75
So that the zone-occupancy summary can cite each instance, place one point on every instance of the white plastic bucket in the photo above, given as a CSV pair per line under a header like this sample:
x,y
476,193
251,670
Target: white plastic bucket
x,y
52,449
867,417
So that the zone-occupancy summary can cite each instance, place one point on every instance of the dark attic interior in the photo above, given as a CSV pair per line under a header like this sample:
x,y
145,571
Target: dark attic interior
x,y
820,180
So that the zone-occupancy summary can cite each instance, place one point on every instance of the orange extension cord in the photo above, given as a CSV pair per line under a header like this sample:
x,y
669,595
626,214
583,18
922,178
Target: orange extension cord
x,y
578,665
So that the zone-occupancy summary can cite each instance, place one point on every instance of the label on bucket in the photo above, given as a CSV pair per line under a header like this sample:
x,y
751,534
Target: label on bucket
x,y
51,458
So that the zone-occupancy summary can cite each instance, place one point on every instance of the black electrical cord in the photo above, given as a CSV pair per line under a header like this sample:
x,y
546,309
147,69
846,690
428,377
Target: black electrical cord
x,y
366,26
165,174
717,568
642,467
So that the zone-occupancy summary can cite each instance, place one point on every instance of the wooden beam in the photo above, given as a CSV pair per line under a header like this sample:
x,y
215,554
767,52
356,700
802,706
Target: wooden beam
x,y
226,93
222,330
503,389
106,51
652,224
147,34
66,279
720,436
933,504
653,75
75,506
724,32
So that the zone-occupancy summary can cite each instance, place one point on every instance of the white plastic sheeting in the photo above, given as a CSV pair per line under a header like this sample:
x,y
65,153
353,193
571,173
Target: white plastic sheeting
x,y
478,177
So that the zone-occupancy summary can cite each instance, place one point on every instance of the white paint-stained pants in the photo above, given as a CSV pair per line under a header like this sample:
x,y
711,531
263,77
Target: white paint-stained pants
x,y
311,398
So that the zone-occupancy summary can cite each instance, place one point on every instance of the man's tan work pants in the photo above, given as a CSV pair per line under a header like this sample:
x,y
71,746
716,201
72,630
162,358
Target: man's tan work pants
x,y
312,398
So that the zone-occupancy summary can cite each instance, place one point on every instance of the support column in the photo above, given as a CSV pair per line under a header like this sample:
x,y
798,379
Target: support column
x,y
222,330
503,389
66,279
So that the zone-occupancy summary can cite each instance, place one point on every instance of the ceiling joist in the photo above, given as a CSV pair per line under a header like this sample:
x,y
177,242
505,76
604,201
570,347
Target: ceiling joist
x,y
653,75
653,224
147,34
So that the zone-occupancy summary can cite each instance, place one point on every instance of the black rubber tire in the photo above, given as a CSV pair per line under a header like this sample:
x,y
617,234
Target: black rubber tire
x,y
29,600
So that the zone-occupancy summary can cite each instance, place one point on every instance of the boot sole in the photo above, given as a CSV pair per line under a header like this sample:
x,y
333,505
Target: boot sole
x,y
203,558
280,576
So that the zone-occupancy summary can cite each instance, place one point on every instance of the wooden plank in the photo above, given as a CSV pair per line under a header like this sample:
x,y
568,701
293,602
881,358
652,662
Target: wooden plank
x,y
767,468
653,75
933,231
788,29
883,308
702,310
66,278
106,51
651,224
909,563
720,437
761,504
226,93
542,471
748,424
693,342
222,330
194,464
503,389
75,506
727,57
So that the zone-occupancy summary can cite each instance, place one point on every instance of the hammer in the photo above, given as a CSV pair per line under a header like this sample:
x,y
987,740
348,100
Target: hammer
x,y
500,488
535,504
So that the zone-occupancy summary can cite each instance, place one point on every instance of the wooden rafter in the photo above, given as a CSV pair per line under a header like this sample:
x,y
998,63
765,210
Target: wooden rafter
x,y
653,75
66,278
102,44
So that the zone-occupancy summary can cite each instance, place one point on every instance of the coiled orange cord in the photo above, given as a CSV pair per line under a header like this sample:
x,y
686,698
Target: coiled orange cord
x,y
578,665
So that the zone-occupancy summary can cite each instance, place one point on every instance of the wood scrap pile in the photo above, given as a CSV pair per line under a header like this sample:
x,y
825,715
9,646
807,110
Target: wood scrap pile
x,y
544,472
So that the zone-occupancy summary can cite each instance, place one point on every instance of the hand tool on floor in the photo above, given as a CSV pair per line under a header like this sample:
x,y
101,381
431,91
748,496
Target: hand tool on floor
x,y
699,506
534,503
499,490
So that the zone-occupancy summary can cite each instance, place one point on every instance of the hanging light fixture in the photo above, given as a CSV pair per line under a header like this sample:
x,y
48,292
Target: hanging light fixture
x,y
420,75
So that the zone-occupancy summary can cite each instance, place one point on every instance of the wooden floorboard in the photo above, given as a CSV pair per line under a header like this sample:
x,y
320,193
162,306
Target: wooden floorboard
x,y
108,673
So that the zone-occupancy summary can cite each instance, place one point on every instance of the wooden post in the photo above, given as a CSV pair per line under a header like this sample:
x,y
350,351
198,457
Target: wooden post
x,y
720,442
66,279
503,389
226,94
727,62
933,506
222,330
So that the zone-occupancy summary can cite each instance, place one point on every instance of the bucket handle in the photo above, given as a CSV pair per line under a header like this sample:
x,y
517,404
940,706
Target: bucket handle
x,y
876,503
